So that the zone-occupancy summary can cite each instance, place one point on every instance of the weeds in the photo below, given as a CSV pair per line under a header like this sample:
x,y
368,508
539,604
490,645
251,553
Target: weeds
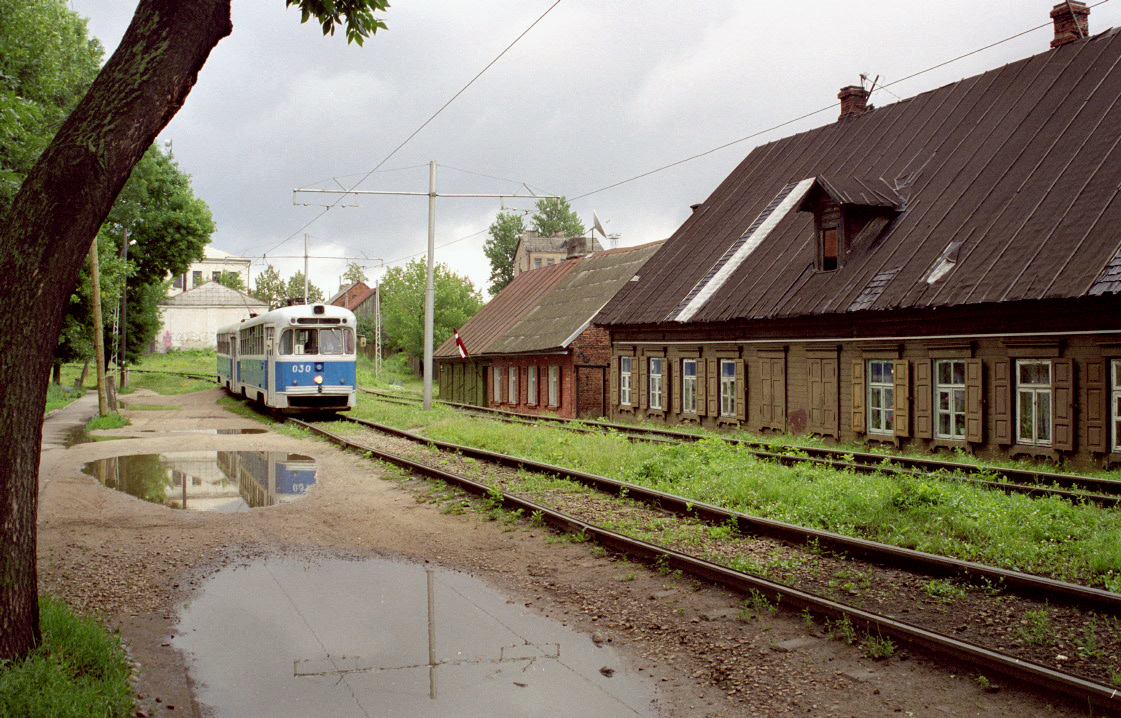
x,y
878,647
1037,630
111,420
841,630
944,591
808,620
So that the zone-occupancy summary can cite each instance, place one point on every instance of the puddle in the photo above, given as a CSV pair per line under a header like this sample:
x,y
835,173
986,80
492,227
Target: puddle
x,y
339,638
208,480
204,431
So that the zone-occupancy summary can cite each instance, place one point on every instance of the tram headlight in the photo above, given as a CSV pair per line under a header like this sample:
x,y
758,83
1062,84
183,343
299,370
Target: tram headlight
x,y
318,378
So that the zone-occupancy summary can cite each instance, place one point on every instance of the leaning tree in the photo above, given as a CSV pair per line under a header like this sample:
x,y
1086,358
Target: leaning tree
x,y
54,218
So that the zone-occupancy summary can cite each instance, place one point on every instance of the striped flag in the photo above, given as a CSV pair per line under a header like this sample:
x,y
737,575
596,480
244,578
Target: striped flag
x,y
460,345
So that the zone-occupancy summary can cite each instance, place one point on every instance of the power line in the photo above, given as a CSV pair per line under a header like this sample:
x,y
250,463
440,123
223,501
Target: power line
x,y
425,123
817,111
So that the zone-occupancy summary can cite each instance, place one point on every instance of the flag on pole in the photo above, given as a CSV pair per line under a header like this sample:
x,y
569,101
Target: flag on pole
x,y
460,345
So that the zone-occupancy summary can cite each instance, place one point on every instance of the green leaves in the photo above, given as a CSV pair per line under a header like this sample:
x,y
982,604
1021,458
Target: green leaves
x,y
557,215
356,15
402,307
505,232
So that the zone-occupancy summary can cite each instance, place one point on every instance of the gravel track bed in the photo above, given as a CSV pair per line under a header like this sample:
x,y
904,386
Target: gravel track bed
x,y
1084,643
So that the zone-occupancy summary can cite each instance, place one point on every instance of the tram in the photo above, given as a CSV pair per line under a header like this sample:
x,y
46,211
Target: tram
x,y
293,359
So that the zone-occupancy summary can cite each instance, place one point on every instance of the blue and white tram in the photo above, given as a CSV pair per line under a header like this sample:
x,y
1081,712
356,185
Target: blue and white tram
x,y
293,359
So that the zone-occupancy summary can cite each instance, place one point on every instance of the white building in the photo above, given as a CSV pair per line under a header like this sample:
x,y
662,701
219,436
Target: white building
x,y
209,269
191,319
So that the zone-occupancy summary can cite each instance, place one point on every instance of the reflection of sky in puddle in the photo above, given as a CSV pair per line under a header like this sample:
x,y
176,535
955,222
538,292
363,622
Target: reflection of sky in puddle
x,y
375,638
208,480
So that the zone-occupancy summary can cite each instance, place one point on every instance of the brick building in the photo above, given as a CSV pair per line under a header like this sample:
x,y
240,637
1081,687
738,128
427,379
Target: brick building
x,y
532,348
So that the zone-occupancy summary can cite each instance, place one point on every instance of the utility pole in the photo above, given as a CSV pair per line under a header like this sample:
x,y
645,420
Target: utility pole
x,y
124,312
98,337
429,290
377,328
305,268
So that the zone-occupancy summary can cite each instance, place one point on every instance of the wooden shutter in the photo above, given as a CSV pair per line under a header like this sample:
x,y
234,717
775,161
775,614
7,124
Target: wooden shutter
x,y
858,415
830,423
643,371
675,398
712,376
766,400
1095,405
924,400
741,391
974,402
612,383
1002,401
778,392
702,394
817,395
901,372
1062,407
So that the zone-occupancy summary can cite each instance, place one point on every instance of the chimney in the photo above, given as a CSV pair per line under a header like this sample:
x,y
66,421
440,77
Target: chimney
x,y
1071,22
577,247
854,101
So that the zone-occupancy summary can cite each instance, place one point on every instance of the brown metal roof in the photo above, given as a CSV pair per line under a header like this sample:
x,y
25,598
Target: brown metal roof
x,y
545,309
504,311
1009,185
568,309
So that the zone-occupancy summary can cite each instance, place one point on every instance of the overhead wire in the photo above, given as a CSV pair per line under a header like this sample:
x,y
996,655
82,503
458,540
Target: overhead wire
x,y
423,124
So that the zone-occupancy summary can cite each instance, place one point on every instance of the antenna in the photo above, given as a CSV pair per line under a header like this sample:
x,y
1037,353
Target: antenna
x,y
598,225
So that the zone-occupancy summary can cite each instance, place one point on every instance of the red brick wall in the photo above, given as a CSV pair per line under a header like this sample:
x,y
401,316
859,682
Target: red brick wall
x,y
566,408
593,347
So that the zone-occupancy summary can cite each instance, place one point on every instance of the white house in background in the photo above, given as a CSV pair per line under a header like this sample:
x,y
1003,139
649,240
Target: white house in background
x,y
191,319
208,270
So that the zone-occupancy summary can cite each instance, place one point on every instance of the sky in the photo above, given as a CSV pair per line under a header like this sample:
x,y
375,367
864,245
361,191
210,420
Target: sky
x,y
596,93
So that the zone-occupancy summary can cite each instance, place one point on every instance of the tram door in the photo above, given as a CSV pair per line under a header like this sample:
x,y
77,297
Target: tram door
x,y
235,365
270,360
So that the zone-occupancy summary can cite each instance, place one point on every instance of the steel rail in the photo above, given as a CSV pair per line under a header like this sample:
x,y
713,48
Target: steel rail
x,y
917,561
865,463
1075,689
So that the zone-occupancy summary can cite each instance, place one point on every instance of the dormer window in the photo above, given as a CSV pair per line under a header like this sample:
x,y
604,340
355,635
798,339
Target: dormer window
x,y
829,254
847,214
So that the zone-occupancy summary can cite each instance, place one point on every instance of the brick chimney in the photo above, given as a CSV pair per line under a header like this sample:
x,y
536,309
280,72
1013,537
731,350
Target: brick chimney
x,y
854,101
1071,22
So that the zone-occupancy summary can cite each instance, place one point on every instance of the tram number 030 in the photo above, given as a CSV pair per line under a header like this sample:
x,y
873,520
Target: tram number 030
x,y
301,368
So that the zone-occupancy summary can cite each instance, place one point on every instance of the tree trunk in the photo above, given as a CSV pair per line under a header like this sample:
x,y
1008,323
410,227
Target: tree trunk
x,y
44,241
82,377
56,373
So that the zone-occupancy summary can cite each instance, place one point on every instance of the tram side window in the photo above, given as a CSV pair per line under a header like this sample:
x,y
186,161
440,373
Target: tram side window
x,y
286,342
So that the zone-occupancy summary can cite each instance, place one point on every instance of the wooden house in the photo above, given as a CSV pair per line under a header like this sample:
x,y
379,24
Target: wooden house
x,y
943,272
532,348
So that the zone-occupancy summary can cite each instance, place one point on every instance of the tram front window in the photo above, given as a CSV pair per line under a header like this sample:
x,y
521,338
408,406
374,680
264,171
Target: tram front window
x,y
306,341
334,341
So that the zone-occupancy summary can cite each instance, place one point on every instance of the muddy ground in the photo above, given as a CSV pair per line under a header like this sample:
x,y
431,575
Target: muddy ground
x,y
133,563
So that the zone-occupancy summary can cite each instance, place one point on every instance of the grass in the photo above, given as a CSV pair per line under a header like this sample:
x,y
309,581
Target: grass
x,y
79,671
109,421
396,375
1046,535
59,395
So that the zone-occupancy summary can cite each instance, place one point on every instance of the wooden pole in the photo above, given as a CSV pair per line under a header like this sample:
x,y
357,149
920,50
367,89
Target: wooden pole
x,y
98,337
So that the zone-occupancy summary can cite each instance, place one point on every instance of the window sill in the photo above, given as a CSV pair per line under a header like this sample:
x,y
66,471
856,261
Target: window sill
x,y
1032,450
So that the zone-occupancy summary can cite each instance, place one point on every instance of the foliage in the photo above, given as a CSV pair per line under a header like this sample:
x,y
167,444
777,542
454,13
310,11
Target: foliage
x,y
357,15
354,274
271,288
47,61
556,215
78,671
59,395
295,288
505,232
402,307
232,280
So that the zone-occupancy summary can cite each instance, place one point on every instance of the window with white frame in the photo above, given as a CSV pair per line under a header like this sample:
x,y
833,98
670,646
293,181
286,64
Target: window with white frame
x,y
497,371
624,381
512,397
1033,402
657,364
727,387
1115,403
689,386
531,386
881,396
949,399
554,385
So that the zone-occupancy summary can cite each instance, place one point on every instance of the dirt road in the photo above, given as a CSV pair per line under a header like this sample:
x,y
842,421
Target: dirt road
x,y
134,562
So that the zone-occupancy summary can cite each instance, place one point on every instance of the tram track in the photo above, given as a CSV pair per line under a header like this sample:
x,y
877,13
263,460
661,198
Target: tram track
x,y
1089,489
984,659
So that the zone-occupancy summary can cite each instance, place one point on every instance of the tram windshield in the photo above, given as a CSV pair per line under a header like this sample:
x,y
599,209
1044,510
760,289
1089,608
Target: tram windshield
x,y
336,341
